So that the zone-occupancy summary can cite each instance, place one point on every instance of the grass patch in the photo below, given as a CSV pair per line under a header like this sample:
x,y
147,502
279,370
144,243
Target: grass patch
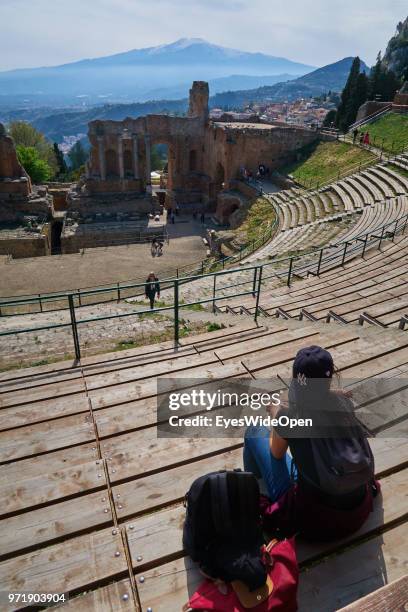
x,y
261,215
393,128
214,327
323,161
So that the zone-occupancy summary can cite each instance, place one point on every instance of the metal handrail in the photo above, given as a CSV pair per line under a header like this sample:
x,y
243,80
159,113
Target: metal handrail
x,y
176,306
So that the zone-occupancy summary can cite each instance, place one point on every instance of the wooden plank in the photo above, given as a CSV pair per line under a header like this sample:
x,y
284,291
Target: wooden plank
x,y
42,392
160,489
389,598
54,522
44,437
146,530
358,571
43,410
268,341
115,597
39,379
100,398
141,372
75,564
57,460
28,483
140,453
22,373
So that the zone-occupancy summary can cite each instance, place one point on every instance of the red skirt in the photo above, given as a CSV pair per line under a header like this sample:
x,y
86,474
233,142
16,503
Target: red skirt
x,y
298,511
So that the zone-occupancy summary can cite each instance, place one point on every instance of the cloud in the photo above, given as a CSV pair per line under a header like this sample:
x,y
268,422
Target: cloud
x,y
49,32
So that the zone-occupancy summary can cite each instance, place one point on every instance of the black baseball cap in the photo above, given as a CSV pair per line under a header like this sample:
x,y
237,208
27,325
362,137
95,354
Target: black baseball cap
x,y
313,362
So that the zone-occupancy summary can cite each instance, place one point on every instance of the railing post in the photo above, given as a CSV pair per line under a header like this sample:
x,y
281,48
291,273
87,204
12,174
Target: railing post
x,y
290,271
381,239
202,267
405,224
74,326
40,302
118,286
258,294
395,230
254,282
79,297
344,253
364,247
320,262
176,312
214,290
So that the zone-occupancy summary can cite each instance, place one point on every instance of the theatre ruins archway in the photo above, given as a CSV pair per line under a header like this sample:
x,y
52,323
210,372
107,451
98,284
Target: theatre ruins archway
x,y
204,157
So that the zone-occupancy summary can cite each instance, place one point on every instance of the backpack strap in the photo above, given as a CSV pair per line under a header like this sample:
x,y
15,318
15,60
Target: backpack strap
x,y
220,504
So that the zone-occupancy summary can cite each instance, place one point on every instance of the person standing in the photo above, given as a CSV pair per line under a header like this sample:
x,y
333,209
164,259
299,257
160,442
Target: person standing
x,y
367,139
355,134
152,287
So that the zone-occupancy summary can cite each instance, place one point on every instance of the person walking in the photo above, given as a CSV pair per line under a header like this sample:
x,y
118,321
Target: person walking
x,y
362,138
355,134
367,139
152,287
154,247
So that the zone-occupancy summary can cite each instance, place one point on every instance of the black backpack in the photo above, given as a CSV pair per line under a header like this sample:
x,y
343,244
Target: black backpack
x,y
222,530
342,464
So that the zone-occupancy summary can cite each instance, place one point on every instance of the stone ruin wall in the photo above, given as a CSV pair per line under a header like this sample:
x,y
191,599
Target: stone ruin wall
x,y
14,180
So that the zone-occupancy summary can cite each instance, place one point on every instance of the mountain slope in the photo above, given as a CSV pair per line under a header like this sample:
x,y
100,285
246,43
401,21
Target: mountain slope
x,y
331,77
130,75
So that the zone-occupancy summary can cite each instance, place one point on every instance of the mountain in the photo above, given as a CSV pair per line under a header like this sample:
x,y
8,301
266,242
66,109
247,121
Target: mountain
x,y
57,123
234,82
331,77
129,76
396,54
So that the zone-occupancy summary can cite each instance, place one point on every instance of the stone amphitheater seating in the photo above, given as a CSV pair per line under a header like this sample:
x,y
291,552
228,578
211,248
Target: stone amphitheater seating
x,y
376,285
368,198
92,498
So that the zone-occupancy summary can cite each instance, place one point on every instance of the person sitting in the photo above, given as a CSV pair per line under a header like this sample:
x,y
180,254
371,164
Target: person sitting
x,y
299,500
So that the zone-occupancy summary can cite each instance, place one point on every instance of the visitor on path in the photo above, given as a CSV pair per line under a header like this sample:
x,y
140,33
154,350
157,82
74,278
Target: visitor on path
x,y
152,287
159,248
355,134
362,138
367,139
305,494
154,247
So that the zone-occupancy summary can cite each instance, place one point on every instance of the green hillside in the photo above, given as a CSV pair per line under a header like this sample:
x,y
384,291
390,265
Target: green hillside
x,y
391,132
323,162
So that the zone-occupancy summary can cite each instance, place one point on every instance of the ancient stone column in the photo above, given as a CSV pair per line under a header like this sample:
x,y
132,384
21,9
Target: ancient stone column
x,y
120,157
148,162
135,157
101,152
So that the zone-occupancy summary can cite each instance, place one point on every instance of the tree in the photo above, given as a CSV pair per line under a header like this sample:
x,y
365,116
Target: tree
x,y
59,156
383,83
77,156
329,118
353,95
38,170
26,135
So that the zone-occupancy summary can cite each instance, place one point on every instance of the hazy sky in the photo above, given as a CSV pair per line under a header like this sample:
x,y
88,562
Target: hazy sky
x,y
49,32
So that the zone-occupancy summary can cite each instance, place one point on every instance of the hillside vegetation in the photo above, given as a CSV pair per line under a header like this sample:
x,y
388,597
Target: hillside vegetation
x,y
322,162
391,132
260,217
